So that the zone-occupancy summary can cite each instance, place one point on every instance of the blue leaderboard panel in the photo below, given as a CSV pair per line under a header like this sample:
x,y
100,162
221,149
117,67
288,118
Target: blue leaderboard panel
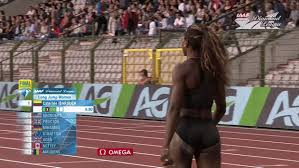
x,y
52,124
54,133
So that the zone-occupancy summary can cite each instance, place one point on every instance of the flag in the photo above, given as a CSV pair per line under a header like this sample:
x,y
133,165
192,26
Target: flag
x,y
37,148
37,127
37,103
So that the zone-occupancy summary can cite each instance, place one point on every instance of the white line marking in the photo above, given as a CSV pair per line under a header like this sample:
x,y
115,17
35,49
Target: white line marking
x,y
158,146
124,135
163,122
122,128
220,131
228,150
270,149
158,138
71,162
264,134
148,154
162,131
112,161
240,146
239,165
81,157
28,163
263,157
277,165
263,141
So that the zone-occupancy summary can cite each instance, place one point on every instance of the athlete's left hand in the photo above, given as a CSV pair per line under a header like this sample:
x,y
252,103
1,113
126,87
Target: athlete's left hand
x,y
165,159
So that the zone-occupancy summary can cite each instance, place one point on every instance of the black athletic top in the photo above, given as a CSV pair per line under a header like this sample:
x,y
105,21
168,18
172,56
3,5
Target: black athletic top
x,y
199,134
202,97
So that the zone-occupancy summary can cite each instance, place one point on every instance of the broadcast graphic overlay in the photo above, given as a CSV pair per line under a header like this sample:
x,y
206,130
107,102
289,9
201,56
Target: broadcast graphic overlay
x,y
50,128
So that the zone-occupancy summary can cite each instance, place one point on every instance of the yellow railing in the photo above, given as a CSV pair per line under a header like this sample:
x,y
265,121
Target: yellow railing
x,y
166,59
159,64
134,61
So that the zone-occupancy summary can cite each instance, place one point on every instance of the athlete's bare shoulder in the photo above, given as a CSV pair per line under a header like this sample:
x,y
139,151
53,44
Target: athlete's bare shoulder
x,y
182,69
178,72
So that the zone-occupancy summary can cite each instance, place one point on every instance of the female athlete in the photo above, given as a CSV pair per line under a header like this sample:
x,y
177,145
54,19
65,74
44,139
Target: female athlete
x,y
197,83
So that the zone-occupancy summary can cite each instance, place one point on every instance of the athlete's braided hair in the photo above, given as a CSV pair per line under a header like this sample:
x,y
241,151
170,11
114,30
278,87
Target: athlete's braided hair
x,y
210,49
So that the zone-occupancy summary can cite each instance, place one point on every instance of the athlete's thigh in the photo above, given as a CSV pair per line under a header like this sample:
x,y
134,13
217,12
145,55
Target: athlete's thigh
x,y
180,153
209,158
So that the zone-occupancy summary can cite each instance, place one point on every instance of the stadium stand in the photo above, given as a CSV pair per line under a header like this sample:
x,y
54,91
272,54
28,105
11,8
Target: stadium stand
x,y
108,60
17,7
5,2
119,59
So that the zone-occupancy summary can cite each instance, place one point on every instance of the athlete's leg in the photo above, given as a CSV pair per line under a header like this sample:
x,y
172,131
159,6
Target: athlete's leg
x,y
210,157
180,153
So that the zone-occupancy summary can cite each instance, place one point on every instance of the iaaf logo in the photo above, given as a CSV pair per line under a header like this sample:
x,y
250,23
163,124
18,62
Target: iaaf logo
x,y
150,105
290,115
258,22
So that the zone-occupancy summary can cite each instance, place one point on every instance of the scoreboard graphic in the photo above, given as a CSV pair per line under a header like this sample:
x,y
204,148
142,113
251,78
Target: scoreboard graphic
x,y
50,129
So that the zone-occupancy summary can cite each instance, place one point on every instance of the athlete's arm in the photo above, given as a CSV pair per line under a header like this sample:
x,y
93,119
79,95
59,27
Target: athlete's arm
x,y
176,101
220,103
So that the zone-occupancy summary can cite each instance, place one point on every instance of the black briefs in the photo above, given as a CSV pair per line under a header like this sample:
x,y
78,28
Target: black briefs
x,y
197,133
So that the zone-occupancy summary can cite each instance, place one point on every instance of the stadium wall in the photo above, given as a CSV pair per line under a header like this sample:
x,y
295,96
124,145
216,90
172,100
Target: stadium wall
x,y
246,106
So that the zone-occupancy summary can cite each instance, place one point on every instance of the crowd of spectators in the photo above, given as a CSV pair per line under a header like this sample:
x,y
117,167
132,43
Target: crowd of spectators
x,y
56,18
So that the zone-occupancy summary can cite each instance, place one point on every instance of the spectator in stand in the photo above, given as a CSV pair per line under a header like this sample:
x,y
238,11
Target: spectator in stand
x,y
163,22
200,12
190,19
180,21
101,19
171,19
290,24
144,78
17,29
2,14
152,27
113,12
182,6
8,30
215,5
55,31
75,28
269,8
189,7
83,28
31,11
64,15
66,21
132,21
124,21
294,14
227,6
44,30
124,4
280,8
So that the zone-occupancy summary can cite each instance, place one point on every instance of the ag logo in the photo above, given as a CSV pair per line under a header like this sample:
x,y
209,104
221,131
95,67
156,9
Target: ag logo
x,y
236,101
282,110
152,103
105,97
